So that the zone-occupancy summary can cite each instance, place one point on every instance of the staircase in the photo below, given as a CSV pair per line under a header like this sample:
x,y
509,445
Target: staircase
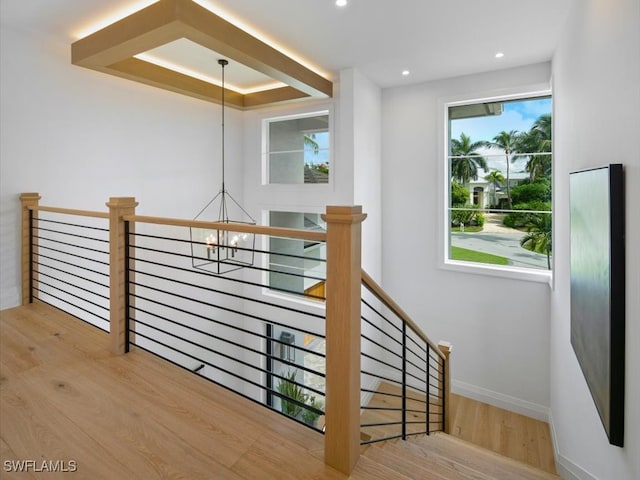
x,y
59,378
440,457
64,396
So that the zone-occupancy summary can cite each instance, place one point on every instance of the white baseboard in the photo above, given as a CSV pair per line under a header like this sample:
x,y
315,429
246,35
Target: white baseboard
x,y
513,404
372,384
565,467
567,470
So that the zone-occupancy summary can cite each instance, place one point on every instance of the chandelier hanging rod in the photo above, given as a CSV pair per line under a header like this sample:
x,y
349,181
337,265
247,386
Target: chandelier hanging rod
x,y
223,63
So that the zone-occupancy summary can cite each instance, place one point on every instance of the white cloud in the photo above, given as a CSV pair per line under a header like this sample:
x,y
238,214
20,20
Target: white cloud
x,y
485,128
517,116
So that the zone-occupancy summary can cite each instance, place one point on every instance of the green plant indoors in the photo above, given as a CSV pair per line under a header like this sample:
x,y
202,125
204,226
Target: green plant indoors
x,y
309,416
291,390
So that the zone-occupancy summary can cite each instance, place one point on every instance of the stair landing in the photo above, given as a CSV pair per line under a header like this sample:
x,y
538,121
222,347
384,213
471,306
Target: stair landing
x,y
64,397
441,457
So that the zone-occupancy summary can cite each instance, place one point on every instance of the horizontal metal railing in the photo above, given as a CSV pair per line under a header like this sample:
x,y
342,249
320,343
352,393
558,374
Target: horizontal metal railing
x,y
69,262
403,372
258,328
234,329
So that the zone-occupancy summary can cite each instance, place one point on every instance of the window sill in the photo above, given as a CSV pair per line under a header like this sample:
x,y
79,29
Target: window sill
x,y
512,273
288,298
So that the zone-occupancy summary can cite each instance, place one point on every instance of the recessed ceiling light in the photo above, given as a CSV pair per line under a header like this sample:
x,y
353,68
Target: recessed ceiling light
x,y
341,3
499,55
405,72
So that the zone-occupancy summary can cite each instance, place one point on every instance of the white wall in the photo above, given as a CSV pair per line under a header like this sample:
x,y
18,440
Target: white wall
x,y
596,77
362,135
260,198
499,327
355,161
78,137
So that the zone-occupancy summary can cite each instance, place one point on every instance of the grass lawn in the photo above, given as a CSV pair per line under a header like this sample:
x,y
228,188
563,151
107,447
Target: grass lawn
x,y
465,255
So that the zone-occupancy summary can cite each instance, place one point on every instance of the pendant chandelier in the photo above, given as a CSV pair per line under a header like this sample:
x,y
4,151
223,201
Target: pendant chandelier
x,y
222,251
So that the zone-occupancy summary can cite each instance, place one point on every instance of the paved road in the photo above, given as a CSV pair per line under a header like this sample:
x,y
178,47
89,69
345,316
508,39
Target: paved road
x,y
502,244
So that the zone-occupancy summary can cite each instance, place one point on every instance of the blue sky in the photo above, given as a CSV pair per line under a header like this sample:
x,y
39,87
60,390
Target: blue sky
x,y
322,138
517,115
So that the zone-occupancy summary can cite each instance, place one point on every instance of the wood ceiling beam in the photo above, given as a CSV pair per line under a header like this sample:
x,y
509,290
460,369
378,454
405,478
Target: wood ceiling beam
x,y
111,50
215,33
144,30
156,76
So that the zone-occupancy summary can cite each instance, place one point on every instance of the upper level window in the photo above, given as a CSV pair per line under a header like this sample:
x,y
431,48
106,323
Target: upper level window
x,y
297,149
499,165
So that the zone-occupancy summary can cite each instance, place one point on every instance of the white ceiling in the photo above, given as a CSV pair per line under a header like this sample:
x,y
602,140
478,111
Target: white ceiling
x,y
432,39
197,61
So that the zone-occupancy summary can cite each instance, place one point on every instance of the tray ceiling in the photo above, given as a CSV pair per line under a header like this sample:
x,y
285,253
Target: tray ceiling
x,y
175,45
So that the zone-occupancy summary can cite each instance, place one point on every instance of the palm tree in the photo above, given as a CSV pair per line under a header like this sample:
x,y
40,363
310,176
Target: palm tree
x,y
542,127
507,141
310,141
538,237
537,140
466,161
495,179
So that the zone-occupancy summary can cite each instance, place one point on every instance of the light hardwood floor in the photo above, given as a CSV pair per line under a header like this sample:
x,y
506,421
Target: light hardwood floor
x,y
64,397
516,436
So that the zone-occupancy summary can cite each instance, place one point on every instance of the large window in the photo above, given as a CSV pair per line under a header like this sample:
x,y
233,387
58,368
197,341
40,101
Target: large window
x,y
297,149
499,165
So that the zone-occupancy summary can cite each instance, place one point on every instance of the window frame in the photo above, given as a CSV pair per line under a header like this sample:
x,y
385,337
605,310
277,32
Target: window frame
x,y
444,262
267,291
265,123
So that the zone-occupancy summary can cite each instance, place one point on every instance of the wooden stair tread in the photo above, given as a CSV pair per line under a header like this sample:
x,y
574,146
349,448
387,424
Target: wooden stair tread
x,y
513,435
403,461
370,469
479,458
442,456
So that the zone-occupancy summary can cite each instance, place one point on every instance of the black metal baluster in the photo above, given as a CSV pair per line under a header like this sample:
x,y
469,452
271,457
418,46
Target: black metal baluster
x,y
127,303
444,389
428,388
404,381
269,335
30,256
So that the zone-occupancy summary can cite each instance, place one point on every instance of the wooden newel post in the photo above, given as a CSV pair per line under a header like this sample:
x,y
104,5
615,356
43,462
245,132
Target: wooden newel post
x,y
118,208
446,348
29,204
342,407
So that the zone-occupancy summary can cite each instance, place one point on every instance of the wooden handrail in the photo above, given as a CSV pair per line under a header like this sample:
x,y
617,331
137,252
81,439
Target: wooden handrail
x,y
177,222
377,290
71,211
231,226
343,306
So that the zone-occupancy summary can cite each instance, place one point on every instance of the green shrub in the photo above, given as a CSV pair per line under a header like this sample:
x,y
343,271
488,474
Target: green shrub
x,y
469,216
522,219
459,194
531,192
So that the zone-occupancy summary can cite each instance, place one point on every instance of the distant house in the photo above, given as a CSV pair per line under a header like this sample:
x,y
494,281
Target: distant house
x,y
481,191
